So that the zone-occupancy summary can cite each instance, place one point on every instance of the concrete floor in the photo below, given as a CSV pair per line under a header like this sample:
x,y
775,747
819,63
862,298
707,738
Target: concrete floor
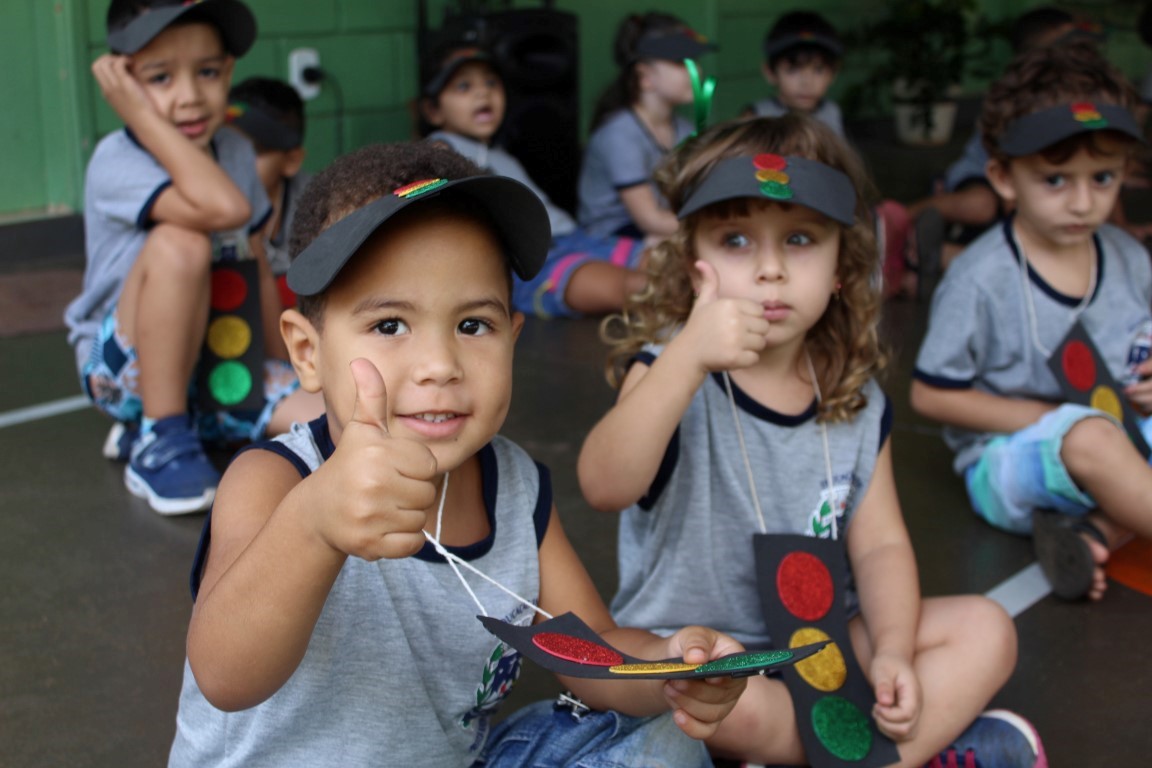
x,y
94,600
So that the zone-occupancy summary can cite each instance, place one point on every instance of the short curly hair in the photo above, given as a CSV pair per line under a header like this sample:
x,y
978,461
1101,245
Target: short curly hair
x,y
355,180
1048,77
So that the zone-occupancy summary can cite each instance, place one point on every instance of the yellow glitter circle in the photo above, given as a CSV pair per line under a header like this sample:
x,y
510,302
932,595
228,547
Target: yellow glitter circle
x,y
826,670
768,174
652,667
1105,399
229,336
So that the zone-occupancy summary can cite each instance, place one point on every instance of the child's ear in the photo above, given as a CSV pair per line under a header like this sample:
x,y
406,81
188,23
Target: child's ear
x,y
293,161
303,343
998,176
430,109
769,73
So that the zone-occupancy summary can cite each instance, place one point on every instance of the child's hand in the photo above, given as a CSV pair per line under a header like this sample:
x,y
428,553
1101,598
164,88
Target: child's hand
x,y
726,333
898,700
121,90
698,706
379,486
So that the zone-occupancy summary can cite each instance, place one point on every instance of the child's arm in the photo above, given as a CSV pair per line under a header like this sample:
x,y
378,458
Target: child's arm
x,y
974,409
622,453
698,705
279,542
646,212
201,195
884,567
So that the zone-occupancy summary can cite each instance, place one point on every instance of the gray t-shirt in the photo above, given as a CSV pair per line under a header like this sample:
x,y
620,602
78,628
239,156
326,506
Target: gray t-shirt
x,y
980,332
398,670
621,153
827,112
120,187
501,163
685,550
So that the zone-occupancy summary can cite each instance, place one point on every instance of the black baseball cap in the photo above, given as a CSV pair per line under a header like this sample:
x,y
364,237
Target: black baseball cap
x,y
774,46
783,178
517,213
1039,130
443,70
236,23
262,127
674,43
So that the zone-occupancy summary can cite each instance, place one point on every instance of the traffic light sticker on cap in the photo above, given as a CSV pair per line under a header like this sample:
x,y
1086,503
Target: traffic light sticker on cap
x,y
801,581
231,370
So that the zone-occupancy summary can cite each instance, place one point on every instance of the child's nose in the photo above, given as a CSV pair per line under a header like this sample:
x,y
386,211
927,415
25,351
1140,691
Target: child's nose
x,y
769,265
438,363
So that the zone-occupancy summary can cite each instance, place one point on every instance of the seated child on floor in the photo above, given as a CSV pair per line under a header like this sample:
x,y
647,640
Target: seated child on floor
x,y
463,106
328,623
1059,131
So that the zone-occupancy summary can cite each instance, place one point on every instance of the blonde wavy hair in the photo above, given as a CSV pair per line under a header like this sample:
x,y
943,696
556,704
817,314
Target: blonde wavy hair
x,y
844,344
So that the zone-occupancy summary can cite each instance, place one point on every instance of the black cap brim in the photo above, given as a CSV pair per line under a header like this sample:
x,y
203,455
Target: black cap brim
x,y
236,23
1038,131
439,82
264,130
775,47
517,213
675,45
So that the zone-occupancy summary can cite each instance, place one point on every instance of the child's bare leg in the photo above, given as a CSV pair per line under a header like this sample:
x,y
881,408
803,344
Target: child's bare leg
x,y
598,287
762,727
299,406
163,309
965,651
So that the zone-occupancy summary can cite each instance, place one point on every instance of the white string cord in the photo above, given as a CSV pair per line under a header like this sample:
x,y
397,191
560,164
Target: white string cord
x,y
456,561
748,461
1030,302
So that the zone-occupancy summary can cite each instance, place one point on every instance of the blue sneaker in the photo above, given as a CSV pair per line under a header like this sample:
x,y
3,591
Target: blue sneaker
x,y
996,739
121,438
169,469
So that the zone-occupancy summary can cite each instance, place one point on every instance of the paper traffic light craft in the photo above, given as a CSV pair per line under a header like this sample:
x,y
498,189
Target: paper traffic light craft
x,y
801,580
231,370
1085,379
566,645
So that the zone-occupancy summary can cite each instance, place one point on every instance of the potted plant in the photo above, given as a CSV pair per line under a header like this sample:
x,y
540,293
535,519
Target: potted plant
x,y
923,48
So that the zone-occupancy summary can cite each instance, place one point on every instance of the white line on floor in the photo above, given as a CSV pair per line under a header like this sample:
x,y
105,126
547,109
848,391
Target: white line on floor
x,y
44,410
1020,592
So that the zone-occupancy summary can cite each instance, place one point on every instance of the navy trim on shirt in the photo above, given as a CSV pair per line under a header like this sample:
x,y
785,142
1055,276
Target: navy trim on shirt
x,y
941,382
1036,279
543,514
886,421
144,218
755,409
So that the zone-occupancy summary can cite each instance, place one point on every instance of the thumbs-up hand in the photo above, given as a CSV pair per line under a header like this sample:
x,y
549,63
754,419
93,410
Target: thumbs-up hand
x,y
379,486
726,333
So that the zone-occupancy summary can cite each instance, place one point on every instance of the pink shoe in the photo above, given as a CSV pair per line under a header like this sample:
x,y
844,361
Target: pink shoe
x,y
996,739
892,227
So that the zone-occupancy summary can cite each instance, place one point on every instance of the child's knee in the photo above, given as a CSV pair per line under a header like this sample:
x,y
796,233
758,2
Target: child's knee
x,y
989,625
1089,440
178,250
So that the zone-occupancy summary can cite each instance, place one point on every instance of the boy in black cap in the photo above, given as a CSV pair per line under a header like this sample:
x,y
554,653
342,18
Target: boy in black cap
x,y
802,56
1059,134
271,114
329,628
158,193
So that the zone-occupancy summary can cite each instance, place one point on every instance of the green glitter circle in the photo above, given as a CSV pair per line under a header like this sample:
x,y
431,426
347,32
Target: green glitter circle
x,y
229,382
776,190
842,728
741,662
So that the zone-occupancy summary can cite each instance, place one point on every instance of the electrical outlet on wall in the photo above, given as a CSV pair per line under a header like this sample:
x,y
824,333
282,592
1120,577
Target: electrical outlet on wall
x,y
299,60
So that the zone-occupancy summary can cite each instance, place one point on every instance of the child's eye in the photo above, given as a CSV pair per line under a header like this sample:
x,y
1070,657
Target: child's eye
x,y
211,73
1054,181
462,86
1104,178
392,326
475,326
734,240
159,78
798,238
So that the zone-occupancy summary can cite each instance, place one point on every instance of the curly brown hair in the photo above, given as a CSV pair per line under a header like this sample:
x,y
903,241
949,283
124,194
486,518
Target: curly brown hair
x,y
1048,77
356,179
844,344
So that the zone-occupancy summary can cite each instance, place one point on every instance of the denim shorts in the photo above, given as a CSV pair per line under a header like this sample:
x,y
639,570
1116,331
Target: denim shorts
x,y
110,378
543,295
1023,471
541,736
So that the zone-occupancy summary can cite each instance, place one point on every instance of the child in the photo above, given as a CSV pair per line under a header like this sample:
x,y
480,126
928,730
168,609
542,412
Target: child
x,y
271,114
635,125
158,194
322,612
1059,134
802,56
463,107
786,309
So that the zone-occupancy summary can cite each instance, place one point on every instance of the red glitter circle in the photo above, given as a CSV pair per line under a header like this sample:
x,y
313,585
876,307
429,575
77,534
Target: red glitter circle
x,y
1079,366
577,649
769,162
805,586
229,289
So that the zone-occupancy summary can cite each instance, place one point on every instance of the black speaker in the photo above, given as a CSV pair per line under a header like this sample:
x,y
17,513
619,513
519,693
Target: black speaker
x,y
537,53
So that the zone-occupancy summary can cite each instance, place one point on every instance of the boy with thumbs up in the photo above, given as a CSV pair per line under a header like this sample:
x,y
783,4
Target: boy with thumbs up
x,y
329,628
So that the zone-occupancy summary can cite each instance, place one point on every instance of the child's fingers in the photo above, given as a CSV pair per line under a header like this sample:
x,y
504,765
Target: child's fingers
x,y
709,287
371,405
